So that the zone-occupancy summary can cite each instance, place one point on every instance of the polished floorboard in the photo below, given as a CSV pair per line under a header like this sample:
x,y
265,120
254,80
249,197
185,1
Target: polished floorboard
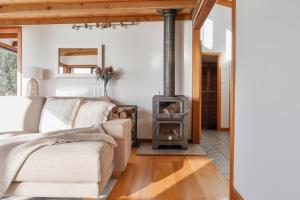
x,y
170,178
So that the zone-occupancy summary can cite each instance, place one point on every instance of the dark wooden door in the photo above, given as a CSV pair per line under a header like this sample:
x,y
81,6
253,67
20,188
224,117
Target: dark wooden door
x,y
209,96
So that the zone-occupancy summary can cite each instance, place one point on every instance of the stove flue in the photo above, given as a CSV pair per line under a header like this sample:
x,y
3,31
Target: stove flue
x,y
169,111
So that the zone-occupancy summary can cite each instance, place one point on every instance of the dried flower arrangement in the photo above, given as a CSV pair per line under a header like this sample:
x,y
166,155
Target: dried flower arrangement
x,y
105,74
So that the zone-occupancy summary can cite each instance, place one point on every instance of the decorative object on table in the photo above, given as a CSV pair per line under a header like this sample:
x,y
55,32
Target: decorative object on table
x,y
101,26
34,74
127,112
105,74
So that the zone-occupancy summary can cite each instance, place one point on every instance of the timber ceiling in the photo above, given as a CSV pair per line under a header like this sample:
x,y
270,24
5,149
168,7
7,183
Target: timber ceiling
x,y
25,12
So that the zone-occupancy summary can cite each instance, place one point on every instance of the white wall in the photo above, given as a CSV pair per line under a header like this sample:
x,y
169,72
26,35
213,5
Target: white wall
x,y
267,160
136,51
216,37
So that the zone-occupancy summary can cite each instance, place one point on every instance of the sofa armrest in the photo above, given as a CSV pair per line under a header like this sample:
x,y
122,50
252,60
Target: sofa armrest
x,y
120,130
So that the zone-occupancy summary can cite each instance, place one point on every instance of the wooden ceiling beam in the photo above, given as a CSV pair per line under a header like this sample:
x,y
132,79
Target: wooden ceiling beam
x,y
8,2
201,12
7,47
100,19
83,13
22,12
14,44
226,3
8,35
45,8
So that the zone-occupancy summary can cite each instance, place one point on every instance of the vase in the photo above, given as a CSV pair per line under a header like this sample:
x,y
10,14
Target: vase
x,y
100,88
105,82
97,88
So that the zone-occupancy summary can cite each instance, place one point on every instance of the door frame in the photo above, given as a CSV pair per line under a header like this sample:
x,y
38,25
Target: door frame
x,y
16,30
233,194
196,80
219,85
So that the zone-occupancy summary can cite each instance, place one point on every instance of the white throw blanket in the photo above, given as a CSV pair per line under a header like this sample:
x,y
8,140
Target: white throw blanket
x,y
15,150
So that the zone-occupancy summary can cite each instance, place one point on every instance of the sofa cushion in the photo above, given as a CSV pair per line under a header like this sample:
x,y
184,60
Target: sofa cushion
x,y
58,114
92,113
70,162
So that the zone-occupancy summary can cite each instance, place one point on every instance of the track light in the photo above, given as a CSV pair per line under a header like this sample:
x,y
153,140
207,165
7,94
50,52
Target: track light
x,y
101,26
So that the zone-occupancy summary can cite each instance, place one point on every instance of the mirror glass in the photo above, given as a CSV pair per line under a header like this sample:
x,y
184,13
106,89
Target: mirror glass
x,y
77,61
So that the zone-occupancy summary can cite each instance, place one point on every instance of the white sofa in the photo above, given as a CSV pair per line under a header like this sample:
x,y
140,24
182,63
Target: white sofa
x,y
71,170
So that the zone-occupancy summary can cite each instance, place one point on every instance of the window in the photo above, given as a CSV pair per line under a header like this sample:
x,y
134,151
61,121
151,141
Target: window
x,y
10,61
79,70
8,72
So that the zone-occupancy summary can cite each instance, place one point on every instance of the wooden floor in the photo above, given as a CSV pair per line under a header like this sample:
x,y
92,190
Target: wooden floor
x,y
171,178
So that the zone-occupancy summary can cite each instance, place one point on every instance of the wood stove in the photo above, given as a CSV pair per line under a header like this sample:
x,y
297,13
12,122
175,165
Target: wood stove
x,y
169,110
170,121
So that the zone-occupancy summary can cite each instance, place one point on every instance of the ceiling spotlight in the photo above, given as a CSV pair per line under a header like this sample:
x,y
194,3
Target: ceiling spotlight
x,y
106,25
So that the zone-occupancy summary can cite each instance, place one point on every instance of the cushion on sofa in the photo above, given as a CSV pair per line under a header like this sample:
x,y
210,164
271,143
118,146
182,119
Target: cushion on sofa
x,y
70,162
92,113
58,114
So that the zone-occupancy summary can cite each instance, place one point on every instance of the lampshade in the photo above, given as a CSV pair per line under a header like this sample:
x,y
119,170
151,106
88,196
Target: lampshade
x,y
34,72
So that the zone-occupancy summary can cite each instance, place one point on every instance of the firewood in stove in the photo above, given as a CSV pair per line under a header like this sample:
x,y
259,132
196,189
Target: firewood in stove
x,y
171,109
166,111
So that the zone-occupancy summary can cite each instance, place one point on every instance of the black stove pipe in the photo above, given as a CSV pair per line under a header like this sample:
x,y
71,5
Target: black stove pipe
x,y
169,51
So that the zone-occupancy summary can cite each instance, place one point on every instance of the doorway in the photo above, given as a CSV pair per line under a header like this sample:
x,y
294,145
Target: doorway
x,y
211,91
215,139
198,22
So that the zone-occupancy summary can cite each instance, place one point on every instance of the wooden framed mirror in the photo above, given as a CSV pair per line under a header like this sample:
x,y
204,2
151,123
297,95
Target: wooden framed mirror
x,y
77,60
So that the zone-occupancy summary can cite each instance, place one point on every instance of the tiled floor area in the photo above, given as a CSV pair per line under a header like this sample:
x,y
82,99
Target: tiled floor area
x,y
217,146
